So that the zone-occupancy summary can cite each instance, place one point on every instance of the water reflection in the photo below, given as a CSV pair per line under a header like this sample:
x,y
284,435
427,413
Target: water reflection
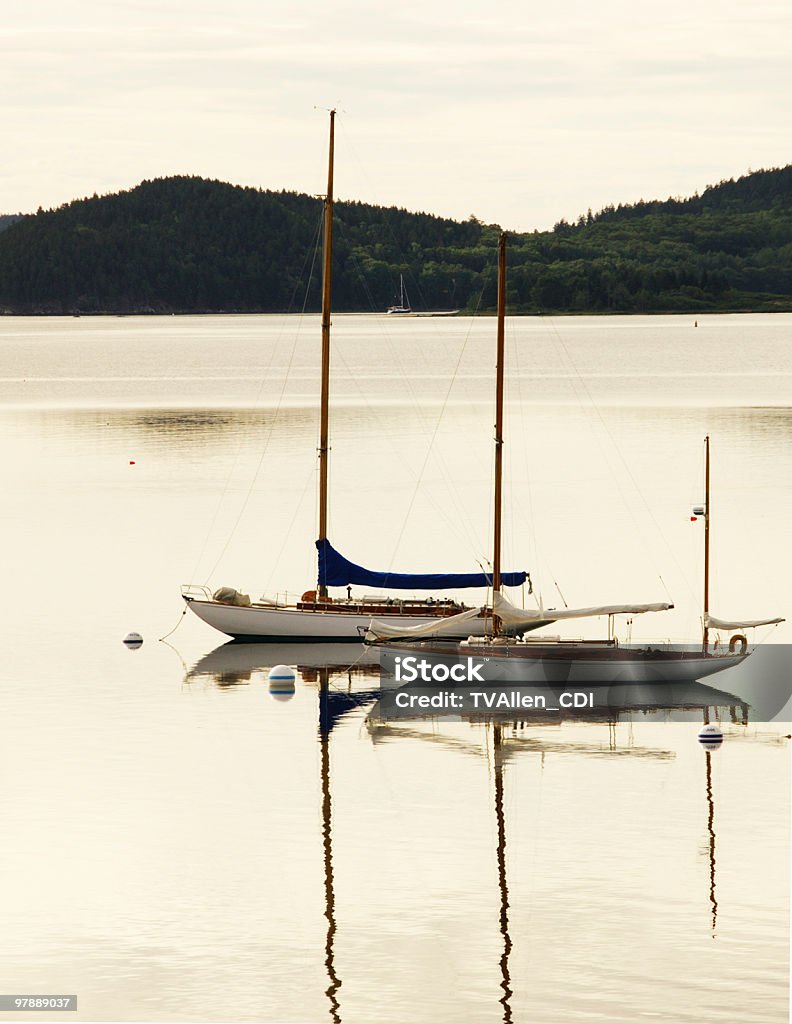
x,y
325,726
347,683
248,661
503,887
711,830
531,705
348,666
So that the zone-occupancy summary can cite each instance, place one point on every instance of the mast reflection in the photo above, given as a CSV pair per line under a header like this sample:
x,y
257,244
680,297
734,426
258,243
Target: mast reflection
x,y
711,830
325,725
502,882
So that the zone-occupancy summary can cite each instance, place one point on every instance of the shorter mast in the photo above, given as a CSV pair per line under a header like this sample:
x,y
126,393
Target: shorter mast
x,y
705,640
497,526
327,278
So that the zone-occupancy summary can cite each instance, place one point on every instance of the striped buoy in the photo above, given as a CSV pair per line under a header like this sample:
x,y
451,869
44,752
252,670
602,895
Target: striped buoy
x,y
281,682
133,641
710,736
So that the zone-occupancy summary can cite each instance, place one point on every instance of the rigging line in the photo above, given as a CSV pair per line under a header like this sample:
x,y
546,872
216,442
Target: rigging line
x,y
439,419
175,651
416,406
450,482
465,522
273,421
178,623
469,534
509,415
410,857
534,543
262,383
310,477
587,392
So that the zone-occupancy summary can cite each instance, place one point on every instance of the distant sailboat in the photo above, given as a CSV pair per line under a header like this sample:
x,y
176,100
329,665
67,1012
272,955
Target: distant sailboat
x,y
404,299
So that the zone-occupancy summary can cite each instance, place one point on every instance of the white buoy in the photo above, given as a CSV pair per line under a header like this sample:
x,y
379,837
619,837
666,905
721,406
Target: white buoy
x,y
710,736
133,641
281,682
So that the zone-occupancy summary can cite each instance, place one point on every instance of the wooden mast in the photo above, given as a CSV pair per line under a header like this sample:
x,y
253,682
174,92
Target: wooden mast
x,y
497,529
327,272
705,641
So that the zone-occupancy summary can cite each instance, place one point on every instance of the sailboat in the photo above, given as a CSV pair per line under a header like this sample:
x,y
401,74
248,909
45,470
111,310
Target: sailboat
x,y
318,617
588,662
404,300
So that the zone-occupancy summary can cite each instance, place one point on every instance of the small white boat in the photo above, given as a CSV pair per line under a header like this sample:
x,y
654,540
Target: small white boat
x,y
325,621
404,299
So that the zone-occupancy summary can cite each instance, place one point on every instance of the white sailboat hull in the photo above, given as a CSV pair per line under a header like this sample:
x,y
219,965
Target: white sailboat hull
x,y
256,622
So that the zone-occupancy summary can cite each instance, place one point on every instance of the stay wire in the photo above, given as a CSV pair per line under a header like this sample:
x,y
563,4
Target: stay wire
x,y
531,508
466,523
262,382
438,421
235,460
467,534
598,412
277,409
285,538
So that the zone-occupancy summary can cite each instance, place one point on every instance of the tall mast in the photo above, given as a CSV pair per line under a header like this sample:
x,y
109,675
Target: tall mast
x,y
496,555
705,640
327,273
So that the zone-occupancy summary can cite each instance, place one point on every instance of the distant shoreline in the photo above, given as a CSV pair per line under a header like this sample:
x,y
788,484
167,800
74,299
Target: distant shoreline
x,y
461,315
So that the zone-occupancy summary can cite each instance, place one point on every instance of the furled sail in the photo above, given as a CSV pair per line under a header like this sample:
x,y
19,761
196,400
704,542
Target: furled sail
x,y
712,623
512,616
337,571
378,630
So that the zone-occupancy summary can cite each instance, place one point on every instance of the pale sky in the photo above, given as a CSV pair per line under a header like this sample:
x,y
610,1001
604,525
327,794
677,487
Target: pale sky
x,y
518,112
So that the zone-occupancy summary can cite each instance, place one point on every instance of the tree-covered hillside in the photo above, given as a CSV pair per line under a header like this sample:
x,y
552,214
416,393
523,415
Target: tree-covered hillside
x,y
7,219
185,244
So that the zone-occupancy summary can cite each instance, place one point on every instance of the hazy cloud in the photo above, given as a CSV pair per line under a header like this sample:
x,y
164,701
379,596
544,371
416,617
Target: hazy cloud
x,y
520,112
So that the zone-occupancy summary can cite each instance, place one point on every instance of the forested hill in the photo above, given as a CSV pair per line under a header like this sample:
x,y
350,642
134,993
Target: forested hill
x,y
7,219
185,244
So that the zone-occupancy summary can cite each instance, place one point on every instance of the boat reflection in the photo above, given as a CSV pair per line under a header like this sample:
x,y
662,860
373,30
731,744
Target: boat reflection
x,y
238,663
530,705
347,682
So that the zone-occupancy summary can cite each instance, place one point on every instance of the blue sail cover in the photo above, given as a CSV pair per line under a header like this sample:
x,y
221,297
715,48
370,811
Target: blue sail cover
x,y
337,571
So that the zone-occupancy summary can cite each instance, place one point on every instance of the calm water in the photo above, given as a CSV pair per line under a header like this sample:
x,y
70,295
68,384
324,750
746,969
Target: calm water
x,y
177,845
